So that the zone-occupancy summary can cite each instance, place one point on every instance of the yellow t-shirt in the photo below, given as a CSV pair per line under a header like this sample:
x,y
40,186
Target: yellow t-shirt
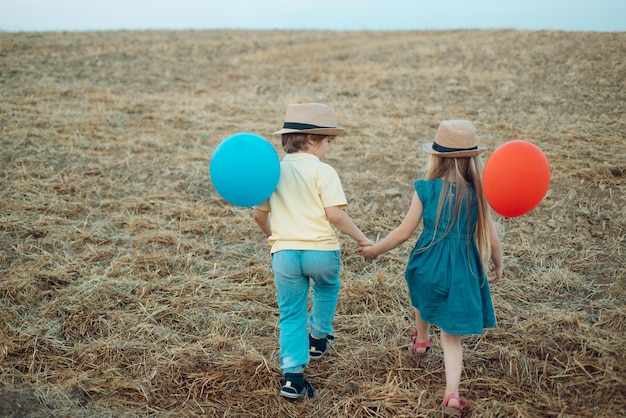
x,y
306,186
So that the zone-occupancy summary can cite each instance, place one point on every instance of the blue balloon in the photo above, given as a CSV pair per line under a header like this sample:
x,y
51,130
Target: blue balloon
x,y
245,169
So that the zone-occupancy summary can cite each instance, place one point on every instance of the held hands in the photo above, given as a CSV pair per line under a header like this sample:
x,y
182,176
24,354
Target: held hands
x,y
368,251
364,244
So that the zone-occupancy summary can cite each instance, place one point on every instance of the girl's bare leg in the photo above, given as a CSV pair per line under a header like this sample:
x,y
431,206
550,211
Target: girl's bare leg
x,y
423,329
453,363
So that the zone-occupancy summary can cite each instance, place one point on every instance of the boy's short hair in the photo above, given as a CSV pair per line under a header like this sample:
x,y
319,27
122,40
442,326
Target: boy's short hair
x,y
294,142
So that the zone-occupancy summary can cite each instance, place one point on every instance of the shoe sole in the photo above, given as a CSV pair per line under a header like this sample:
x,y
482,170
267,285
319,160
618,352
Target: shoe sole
x,y
425,355
318,354
448,411
292,395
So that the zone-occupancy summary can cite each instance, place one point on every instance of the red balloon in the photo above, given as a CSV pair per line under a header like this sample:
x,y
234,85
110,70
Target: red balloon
x,y
516,178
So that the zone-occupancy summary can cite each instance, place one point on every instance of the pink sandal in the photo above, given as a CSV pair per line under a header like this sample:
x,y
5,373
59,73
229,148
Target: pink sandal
x,y
450,411
425,345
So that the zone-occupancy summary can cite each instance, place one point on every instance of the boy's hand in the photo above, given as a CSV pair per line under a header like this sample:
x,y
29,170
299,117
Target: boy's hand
x,y
365,243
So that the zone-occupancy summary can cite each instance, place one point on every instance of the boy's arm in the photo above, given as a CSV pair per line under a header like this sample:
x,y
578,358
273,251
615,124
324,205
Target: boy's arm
x,y
340,219
262,219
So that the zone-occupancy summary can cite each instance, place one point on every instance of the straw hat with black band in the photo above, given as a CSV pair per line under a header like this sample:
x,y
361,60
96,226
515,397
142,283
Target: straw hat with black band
x,y
454,139
311,118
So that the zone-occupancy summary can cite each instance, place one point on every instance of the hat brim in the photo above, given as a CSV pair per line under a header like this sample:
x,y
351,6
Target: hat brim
x,y
317,131
428,148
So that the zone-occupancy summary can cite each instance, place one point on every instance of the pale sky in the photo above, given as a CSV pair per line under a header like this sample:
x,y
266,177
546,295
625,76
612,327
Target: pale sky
x,y
86,15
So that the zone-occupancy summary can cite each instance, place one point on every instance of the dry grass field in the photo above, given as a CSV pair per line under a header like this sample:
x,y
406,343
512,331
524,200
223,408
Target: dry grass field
x,y
129,288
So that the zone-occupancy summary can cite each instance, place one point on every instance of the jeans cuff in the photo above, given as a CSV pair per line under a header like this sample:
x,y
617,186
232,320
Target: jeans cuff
x,y
297,369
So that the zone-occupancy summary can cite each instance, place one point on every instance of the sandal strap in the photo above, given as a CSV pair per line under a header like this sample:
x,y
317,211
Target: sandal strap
x,y
415,344
462,402
427,344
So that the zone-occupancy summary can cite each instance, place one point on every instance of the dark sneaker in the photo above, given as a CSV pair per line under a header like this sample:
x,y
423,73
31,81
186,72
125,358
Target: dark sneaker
x,y
296,387
317,348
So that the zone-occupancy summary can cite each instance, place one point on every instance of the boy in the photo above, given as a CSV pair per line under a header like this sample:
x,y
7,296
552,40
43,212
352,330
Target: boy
x,y
298,220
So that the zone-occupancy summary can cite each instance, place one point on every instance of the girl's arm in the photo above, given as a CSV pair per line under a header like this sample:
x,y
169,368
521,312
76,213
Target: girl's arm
x,y
496,253
262,219
340,219
398,235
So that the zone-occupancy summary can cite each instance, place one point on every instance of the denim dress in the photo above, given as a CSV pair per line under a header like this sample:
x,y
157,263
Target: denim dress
x,y
446,279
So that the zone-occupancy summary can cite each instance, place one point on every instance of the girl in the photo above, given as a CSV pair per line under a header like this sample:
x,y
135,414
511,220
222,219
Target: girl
x,y
298,220
445,273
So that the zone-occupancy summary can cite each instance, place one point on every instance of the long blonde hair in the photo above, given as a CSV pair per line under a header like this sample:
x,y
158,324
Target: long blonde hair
x,y
465,172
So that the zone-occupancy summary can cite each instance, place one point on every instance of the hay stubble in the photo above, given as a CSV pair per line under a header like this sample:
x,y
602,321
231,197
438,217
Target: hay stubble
x,y
129,288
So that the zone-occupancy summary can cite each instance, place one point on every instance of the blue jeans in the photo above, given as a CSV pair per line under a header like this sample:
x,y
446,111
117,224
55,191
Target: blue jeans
x,y
292,271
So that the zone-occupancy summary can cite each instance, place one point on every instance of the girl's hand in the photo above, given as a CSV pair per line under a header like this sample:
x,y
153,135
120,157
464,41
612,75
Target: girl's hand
x,y
498,274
